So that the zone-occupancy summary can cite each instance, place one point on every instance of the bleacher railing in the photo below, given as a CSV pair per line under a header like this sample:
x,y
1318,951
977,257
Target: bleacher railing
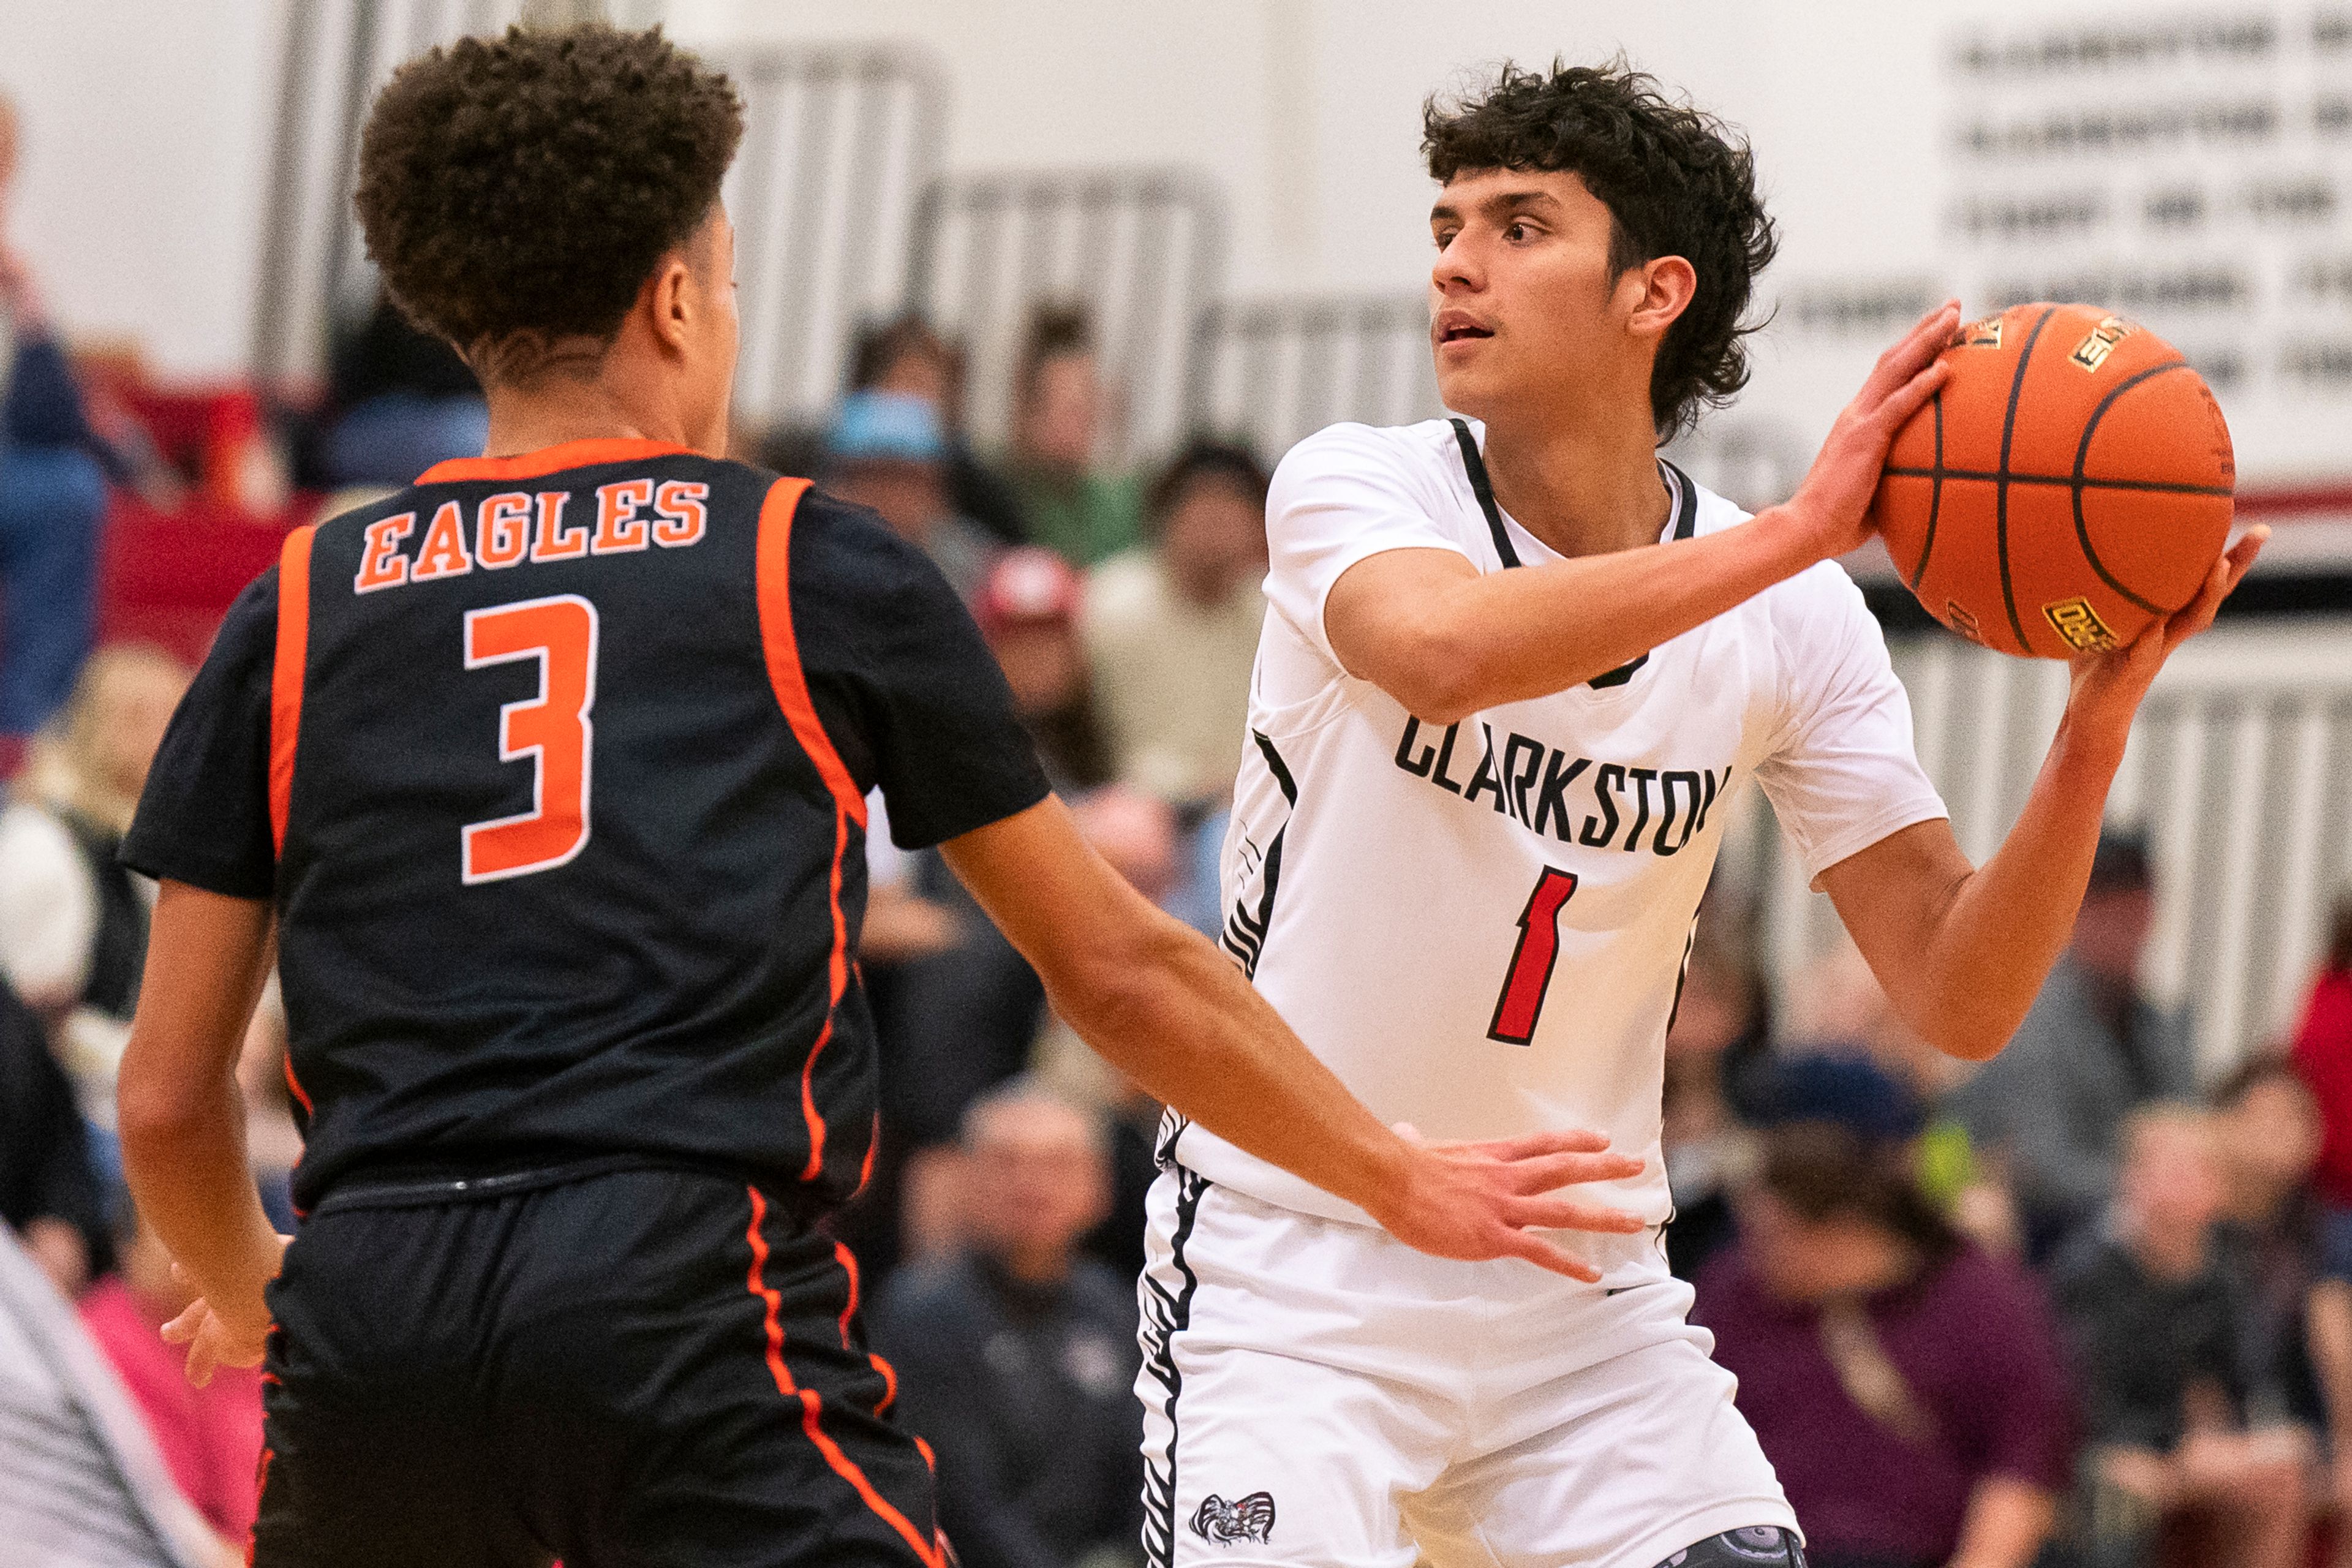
x,y
2239,771
1274,370
838,145
314,266
1143,250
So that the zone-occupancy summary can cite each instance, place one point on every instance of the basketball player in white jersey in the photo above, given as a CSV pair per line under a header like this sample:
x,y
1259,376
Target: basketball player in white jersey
x,y
1514,669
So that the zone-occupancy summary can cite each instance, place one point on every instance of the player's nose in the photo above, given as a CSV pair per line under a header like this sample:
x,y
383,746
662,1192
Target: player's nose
x,y
1456,270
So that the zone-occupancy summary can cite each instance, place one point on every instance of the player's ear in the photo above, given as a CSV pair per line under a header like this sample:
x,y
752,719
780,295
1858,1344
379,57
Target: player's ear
x,y
670,301
1660,289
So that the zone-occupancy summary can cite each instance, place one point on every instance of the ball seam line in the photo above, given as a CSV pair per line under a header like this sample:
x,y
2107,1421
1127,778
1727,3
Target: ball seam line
x,y
2083,457
1989,476
1935,493
2000,479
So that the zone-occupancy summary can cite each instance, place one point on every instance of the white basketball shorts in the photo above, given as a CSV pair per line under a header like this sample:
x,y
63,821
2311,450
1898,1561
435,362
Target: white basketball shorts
x,y
1317,1392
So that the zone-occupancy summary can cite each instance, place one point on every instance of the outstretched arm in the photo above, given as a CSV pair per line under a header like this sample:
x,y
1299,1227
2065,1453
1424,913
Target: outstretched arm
x,y
1158,1002
1445,640
1962,951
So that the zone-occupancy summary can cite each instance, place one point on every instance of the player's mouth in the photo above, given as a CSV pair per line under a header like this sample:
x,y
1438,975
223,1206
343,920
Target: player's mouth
x,y
1458,327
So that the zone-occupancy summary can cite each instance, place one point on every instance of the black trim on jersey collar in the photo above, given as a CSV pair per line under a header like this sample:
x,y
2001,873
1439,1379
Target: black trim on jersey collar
x,y
1686,525
1475,466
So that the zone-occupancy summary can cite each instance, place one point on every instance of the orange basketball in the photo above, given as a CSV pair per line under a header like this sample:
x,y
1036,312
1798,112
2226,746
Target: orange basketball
x,y
2069,484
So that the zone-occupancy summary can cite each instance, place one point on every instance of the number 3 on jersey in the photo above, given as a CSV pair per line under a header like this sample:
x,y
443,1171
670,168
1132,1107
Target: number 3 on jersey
x,y
1522,1001
551,731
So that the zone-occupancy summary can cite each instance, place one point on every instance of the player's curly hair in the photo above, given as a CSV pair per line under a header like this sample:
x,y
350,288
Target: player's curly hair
x,y
1676,181
524,188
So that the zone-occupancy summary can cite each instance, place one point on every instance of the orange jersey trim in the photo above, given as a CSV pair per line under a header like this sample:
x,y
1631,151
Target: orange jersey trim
x,y
286,675
549,460
848,1261
773,571
813,1407
260,1490
286,672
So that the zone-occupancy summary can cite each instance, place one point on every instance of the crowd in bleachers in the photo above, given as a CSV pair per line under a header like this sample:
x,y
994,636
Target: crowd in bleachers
x,y
2072,1307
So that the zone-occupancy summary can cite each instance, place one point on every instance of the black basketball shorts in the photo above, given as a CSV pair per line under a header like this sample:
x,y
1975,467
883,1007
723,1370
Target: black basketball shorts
x,y
616,1368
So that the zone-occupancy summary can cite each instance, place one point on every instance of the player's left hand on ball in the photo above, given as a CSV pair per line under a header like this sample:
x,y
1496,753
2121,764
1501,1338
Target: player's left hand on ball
x,y
1476,1201
1832,504
2110,685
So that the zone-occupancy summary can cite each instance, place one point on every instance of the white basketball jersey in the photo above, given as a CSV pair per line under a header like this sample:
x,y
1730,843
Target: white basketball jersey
x,y
1481,927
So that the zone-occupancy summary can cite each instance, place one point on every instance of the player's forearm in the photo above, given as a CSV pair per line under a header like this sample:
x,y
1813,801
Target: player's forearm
x,y
1507,637
1184,1022
2003,927
177,1107
184,1155
2006,1524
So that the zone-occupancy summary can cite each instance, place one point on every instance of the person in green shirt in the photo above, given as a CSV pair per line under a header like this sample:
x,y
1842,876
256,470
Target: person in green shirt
x,y
1059,404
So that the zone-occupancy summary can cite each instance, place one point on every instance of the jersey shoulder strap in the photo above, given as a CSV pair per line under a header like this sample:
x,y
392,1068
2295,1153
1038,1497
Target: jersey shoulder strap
x,y
286,674
1474,465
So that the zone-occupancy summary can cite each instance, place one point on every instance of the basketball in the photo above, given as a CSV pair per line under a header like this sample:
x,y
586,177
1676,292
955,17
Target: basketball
x,y
2070,483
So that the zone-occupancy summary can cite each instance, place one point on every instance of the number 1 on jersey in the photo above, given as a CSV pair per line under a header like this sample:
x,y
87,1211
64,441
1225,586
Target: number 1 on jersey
x,y
553,731
1522,1001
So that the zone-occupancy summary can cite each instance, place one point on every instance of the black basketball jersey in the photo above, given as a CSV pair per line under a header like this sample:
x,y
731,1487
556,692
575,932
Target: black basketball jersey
x,y
556,768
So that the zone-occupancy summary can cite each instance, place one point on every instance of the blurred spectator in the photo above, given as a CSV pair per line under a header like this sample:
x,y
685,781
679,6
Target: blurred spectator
x,y
900,923
1717,1045
81,1483
2322,1056
1906,1386
2182,1412
789,447
1058,412
2267,1136
905,356
1017,1360
2322,1059
1028,610
210,1437
50,1194
1836,1005
1843,1088
1132,1118
2092,1048
1837,999
73,922
404,401
1172,631
52,496
887,450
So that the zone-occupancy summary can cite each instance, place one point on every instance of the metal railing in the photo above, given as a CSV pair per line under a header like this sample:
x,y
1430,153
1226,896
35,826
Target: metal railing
x,y
314,266
1273,370
838,145
1143,250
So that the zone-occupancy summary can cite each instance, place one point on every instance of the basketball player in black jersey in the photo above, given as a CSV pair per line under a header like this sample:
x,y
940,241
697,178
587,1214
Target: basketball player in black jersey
x,y
544,780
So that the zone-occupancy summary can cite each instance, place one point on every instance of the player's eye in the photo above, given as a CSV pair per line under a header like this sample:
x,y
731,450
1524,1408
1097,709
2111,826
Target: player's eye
x,y
1517,232
1444,236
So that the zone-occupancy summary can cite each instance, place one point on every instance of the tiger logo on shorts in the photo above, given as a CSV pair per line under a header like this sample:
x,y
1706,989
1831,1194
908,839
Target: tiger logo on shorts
x,y
1221,1523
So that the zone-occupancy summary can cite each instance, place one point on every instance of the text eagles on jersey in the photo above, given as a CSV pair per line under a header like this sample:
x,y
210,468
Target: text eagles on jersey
x,y
1530,783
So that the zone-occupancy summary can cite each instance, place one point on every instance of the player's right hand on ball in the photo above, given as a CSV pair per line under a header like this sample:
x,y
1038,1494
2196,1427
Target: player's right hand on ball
x,y
1476,1201
1831,506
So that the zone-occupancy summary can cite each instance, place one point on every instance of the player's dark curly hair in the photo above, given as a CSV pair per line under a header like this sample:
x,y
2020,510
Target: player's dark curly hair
x,y
1677,183
524,188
